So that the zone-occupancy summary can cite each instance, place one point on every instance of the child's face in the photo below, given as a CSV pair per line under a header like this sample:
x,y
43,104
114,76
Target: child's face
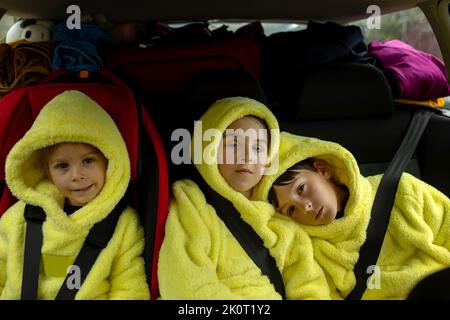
x,y
78,170
243,153
311,198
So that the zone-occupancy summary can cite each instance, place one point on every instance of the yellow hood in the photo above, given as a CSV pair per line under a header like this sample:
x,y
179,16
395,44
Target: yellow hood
x,y
335,245
295,148
215,266
415,244
69,117
219,116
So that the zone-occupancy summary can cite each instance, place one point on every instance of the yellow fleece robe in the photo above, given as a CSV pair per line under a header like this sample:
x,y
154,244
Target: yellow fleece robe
x,y
118,272
417,241
200,258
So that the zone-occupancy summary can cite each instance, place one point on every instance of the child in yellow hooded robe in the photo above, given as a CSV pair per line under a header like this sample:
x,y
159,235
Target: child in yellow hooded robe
x,y
332,202
69,124
199,257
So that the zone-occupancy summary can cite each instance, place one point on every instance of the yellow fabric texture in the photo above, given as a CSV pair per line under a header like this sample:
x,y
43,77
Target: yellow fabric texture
x,y
118,272
417,241
200,258
56,266
435,103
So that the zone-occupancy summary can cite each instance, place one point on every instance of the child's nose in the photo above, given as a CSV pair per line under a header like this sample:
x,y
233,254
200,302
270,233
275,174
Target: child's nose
x,y
248,153
243,153
250,156
77,173
306,205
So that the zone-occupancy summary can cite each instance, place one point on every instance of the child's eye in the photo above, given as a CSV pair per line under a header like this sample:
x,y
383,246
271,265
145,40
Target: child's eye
x,y
300,188
61,166
232,142
290,211
88,160
259,148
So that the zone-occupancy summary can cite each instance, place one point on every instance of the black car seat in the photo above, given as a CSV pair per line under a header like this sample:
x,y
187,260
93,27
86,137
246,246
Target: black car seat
x,y
206,88
164,76
352,104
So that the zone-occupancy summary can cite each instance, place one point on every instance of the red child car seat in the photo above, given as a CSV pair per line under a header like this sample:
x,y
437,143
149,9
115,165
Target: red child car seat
x,y
148,191
163,76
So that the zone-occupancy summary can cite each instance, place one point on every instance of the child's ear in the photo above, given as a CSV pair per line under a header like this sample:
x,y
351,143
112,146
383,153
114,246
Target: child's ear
x,y
323,168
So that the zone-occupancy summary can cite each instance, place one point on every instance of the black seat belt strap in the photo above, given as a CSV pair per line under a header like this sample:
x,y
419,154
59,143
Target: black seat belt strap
x,y
95,242
34,216
245,235
384,200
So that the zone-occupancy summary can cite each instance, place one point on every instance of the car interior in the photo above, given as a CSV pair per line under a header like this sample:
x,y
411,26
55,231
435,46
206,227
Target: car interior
x,y
317,84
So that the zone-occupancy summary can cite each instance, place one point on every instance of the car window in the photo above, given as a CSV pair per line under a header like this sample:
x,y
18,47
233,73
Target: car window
x,y
410,26
269,27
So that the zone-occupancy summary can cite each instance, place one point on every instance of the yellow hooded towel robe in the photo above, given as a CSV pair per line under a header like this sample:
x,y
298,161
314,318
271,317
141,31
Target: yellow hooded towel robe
x,y
118,272
200,258
417,241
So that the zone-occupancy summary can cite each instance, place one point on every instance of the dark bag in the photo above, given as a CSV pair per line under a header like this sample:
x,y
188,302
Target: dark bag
x,y
318,44
290,54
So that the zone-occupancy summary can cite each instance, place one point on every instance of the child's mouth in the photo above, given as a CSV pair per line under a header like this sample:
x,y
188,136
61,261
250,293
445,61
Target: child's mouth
x,y
83,189
244,171
319,214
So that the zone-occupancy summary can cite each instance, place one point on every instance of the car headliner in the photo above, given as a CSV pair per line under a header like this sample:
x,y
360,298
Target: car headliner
x,y
183,10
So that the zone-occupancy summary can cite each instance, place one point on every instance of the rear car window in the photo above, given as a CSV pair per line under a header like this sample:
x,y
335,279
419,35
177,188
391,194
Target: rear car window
x,y
270,27
410,26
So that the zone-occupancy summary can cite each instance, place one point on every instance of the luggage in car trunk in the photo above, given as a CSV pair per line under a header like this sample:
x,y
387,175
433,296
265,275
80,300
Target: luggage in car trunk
x,y
164,75
164,72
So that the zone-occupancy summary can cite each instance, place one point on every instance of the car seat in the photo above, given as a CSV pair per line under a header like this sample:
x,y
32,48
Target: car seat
x,y
206,88
352,104
148,190
166,77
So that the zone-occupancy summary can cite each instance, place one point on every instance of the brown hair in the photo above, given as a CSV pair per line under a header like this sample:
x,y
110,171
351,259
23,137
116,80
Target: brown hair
x,y
43,157
288,176
265,126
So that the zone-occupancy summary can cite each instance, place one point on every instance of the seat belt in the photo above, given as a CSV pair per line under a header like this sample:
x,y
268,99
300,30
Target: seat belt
x,y
244,234
384,200
95,242
34,217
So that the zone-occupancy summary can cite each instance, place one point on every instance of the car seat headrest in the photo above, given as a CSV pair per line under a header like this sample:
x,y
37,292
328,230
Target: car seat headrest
x,y
344,91
206,88
210,86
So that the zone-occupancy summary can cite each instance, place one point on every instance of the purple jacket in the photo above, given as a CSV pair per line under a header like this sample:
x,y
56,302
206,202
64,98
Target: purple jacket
x,y
417,75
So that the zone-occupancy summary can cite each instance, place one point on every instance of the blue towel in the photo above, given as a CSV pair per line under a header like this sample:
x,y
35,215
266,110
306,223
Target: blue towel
x,y
76,49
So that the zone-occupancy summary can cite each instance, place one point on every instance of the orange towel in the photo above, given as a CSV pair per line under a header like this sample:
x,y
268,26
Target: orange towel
x,y
435,103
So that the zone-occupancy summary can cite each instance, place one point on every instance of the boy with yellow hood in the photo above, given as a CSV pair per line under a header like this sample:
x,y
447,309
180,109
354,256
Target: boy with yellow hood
x,y
73,163
318,185
199,257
